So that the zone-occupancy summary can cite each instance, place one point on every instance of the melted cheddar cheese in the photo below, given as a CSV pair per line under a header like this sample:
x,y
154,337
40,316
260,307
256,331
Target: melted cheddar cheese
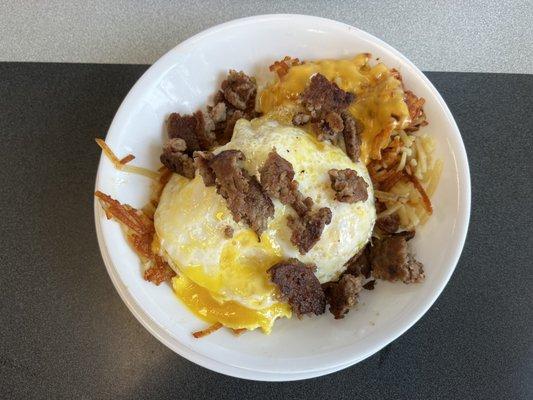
x,y
379,106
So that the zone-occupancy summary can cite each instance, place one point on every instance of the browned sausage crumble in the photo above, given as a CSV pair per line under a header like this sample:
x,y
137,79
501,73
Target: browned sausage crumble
x,y
201,162
277,178
234,101
386,259
202,131
323,97
192,129
359,264
391,261
245,197
325,105
352,140
348,186
176,159
342,295
240,90
299,286
389,224
307,228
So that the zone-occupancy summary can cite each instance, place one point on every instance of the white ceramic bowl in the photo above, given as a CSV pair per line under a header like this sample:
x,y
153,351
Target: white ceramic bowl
x,y
181,81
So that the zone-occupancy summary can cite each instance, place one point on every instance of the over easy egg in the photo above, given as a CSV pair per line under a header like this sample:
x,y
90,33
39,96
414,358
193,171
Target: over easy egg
x,y
224,279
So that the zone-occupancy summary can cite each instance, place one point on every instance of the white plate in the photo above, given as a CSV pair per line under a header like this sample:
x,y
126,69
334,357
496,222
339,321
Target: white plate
x,y
181,81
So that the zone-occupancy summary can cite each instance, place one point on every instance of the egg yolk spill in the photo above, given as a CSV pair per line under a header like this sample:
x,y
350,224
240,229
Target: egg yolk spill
x,y
228,313
379,104
242,274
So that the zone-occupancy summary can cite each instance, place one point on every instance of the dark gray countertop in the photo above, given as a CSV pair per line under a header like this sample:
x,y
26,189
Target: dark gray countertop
x,y
65,333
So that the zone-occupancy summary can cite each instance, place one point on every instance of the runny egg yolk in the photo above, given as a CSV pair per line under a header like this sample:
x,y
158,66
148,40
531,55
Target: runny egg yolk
x,y
228,313
242,270
379,104
241,274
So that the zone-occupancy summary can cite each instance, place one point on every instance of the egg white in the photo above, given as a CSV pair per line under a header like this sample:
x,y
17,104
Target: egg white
x,y
191,218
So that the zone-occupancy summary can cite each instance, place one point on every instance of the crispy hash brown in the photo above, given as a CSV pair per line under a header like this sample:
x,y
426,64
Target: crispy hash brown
x,y
139,229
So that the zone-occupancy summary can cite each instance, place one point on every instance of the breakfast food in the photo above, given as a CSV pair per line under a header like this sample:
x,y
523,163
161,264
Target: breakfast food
x,y
289,197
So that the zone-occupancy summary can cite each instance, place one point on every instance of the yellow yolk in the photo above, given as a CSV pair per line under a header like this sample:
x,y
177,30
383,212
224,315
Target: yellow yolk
x,y
242,270
379,104
228,313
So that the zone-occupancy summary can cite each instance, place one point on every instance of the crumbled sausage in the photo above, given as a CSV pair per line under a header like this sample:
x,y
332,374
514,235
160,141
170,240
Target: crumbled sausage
x,y
234,101
201,131
204,130
225,135
323,96
245,197
324,102
201,162
301,204
352,141
277,178
389,224
192,129
175,158
415,271
307,229
324,132
359,264
334,122
184,127
299,286
391,261
325,105
348,186
218,112
240,90
342,295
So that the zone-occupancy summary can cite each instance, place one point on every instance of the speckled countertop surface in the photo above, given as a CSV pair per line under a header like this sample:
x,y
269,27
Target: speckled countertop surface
x,y
456,35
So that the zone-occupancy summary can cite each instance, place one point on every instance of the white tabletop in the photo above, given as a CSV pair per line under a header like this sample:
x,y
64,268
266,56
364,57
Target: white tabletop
x,y
480,36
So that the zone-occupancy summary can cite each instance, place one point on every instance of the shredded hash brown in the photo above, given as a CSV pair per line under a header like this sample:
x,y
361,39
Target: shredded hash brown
x,y
207,331
120,164
405,173
140,232
281,67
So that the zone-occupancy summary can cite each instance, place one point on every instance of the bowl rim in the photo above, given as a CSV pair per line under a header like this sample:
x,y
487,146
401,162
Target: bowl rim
x,y
463,176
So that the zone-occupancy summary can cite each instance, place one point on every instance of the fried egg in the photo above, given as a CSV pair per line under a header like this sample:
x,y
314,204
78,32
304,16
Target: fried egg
x,y
225,279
